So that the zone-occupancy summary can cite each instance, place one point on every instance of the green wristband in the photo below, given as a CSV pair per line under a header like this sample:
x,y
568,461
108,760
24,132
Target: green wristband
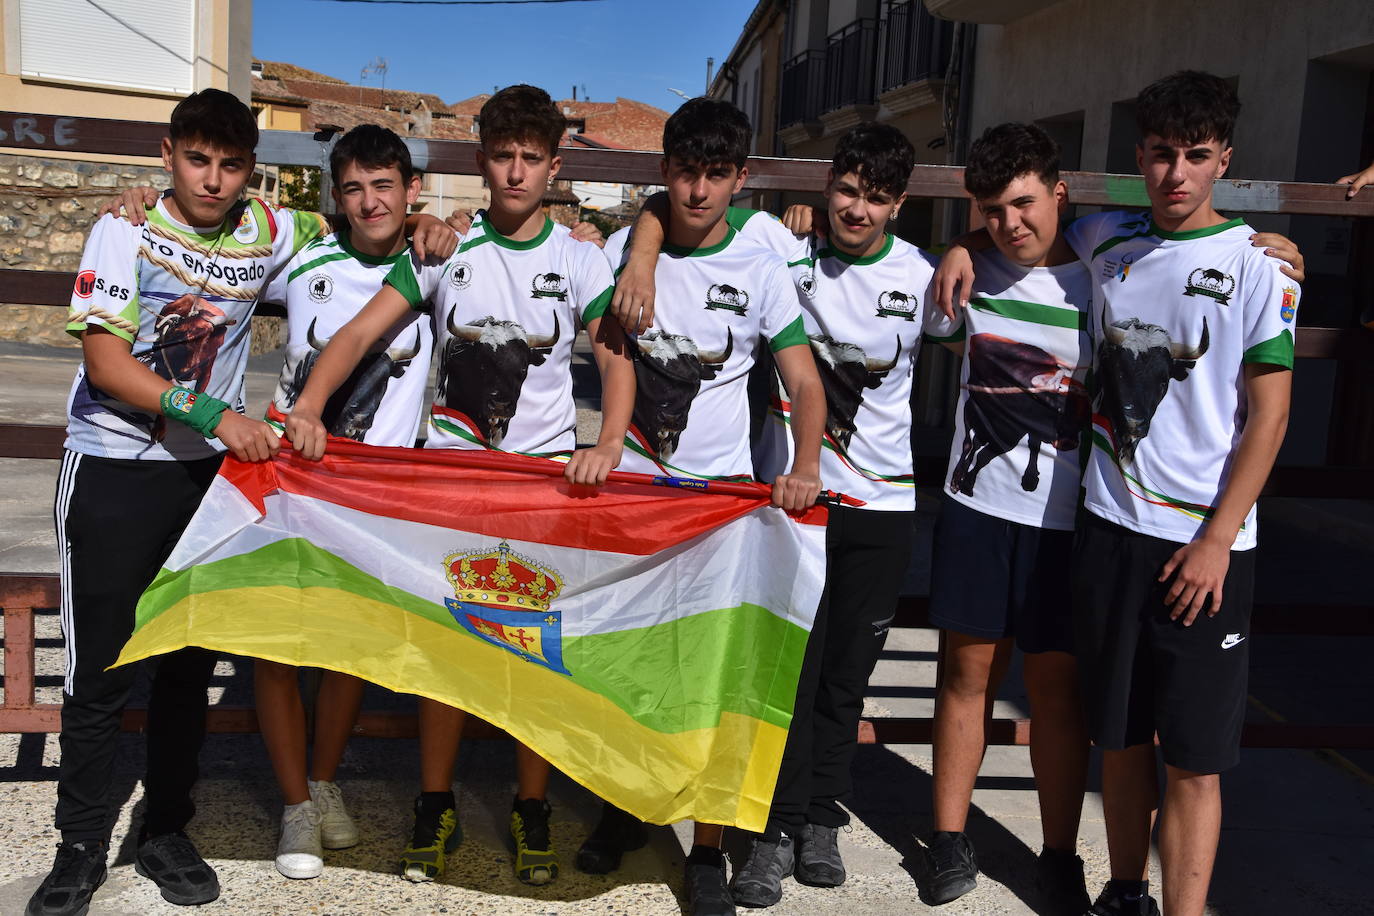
x,y
194,408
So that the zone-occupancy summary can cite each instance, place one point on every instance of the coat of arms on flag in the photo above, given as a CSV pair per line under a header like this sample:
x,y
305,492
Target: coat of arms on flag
x,y
505,599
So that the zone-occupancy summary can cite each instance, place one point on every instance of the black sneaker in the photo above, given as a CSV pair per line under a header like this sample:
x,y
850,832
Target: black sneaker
x,y
173,864
953,868
818,856
1110,903
617,833
707,894
535,861
77,872
434,837
758,882
1062,887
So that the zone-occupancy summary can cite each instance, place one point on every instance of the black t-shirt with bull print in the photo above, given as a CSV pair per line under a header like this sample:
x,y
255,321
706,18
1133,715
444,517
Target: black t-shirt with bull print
x,y
1175,317
182,296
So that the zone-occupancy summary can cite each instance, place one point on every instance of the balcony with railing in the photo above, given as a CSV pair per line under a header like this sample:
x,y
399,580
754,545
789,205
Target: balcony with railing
x,y
851,64
803,79
867,61
916,45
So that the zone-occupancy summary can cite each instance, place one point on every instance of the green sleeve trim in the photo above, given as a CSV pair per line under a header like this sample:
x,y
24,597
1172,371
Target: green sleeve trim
x,y
1113,242
738,216
597,307
1276,351
804,262
959,336
308,227
790,336
311,265
402,279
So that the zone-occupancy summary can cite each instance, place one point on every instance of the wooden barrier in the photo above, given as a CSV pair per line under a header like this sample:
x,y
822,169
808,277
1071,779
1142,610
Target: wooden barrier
x,y
21,595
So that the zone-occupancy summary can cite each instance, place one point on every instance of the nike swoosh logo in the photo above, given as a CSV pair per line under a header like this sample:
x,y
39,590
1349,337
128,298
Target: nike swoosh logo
x,y
1232,640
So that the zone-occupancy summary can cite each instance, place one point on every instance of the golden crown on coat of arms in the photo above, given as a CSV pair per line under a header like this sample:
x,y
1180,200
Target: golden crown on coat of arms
x,y
502,578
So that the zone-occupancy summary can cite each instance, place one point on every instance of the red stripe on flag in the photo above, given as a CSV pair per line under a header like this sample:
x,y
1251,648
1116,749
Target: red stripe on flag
x,y
256,480
502,495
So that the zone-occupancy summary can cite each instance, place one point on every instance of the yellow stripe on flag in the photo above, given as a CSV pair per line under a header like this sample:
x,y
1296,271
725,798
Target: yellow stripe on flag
x,y
721,775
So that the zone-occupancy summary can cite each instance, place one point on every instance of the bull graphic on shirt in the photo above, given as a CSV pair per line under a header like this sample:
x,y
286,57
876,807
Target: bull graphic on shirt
x,y
187,336
1135,362
352,408
846,370
483,367
1016,391
669,370
549,285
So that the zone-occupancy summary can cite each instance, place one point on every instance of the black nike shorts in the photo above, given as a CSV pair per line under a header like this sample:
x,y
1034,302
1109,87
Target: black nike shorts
x,y
1143,673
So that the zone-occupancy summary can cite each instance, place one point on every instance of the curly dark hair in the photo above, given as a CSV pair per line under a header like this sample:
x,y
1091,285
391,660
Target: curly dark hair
x,y
521,114
372,147
215,117
1188,107
706,131
879,154
1004,153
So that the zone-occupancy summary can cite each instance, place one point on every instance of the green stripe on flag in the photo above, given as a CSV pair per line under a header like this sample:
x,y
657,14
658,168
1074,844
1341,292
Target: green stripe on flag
x,y
737,660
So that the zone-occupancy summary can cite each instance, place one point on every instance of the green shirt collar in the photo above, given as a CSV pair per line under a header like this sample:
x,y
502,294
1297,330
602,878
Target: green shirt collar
x,y
857,261
681,252
512,244
375,261
1194,233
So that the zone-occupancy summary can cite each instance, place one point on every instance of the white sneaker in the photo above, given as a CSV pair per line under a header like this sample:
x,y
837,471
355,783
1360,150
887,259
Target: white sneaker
x,y
337,830
299,854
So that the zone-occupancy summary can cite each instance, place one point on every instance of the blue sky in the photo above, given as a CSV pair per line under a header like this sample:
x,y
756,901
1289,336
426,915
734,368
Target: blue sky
x,y
632,48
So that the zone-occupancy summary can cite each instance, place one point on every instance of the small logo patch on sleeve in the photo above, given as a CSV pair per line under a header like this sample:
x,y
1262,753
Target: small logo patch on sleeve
x,y
181,399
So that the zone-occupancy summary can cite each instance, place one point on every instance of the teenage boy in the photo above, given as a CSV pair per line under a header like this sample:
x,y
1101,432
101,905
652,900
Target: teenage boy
x,y
323,287
721,299
861,292
1003,540
520,283
162,311
1193,331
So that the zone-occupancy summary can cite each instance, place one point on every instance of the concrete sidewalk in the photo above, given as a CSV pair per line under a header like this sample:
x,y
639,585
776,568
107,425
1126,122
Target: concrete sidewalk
x,y
1298,834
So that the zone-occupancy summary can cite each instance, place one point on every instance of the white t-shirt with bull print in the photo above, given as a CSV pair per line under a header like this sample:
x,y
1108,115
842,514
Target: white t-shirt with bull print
x,y
182,296
713,308
505,316
863,320
1023,402
1175,318
323,287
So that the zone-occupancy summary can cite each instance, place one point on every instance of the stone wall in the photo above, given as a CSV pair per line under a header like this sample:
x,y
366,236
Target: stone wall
x,y
46,208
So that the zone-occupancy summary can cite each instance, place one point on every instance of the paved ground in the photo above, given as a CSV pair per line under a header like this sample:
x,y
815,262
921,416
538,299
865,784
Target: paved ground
x,y
1298,834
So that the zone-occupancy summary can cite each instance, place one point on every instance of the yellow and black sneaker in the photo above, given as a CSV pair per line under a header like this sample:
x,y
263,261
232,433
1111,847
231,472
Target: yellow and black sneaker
x,y
535,861
436,834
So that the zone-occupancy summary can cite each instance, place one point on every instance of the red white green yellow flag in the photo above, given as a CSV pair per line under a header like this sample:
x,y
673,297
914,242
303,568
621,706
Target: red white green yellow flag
x,y
645,640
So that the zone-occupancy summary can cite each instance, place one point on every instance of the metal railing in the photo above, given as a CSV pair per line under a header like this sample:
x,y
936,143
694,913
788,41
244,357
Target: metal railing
x,y
851,65
22,595
800,95
916,45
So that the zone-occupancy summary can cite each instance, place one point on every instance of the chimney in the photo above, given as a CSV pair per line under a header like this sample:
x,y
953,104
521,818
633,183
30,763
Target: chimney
x,y
574,92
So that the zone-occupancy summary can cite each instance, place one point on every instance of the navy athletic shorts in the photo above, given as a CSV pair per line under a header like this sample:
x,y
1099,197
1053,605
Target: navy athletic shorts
x,y
1143,673
991,578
